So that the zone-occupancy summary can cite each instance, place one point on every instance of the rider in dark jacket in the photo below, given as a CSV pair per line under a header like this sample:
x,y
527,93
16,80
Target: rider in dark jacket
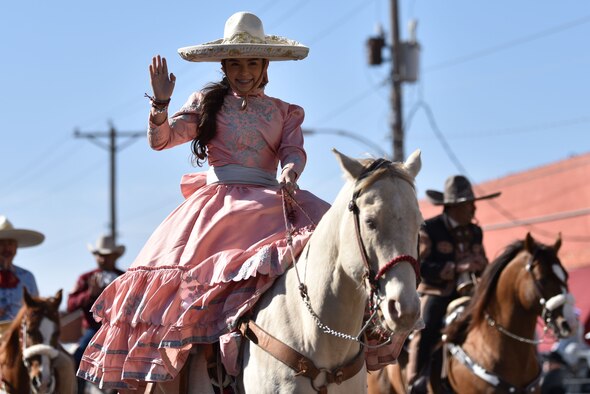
x,y
452,256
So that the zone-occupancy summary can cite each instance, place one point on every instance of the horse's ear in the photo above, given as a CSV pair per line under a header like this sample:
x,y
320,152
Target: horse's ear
x,y
27,297
414,163
352,167
529,243
57,297
557,243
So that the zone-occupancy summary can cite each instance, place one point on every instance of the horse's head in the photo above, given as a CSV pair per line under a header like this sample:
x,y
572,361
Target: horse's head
x,y
548,288
39,338
382,231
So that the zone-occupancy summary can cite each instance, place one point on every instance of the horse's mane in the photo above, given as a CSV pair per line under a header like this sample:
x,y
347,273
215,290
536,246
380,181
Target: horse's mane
x,y
10,345
474,313
394,170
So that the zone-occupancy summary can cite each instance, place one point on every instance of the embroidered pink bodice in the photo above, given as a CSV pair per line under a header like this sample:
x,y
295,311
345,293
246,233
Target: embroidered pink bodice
x,y
266,132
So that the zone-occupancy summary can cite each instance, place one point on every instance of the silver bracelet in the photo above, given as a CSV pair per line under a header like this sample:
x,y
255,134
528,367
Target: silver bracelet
x,y
160,110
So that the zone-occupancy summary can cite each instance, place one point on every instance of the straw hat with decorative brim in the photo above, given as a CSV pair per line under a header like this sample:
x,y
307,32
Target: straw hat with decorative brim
x,y
105,244
243,37
457,190
25,238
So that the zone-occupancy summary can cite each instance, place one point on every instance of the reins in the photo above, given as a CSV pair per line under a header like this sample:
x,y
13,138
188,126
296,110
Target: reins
x,y
286,196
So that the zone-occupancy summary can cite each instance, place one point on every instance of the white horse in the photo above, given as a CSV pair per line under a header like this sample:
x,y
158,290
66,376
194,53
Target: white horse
x,y
317,308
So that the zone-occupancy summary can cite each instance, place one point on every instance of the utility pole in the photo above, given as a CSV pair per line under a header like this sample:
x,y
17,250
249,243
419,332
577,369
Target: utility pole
x,y
396,90
112,148
404,68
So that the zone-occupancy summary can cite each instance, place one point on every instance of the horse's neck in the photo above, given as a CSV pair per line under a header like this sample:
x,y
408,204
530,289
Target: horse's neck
x,y
498,346
506,307
12,369
336,298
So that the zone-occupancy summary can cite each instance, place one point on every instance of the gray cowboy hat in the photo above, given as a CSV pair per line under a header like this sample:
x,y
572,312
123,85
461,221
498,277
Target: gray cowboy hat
x,y
457,190
243,37
105,244
24,238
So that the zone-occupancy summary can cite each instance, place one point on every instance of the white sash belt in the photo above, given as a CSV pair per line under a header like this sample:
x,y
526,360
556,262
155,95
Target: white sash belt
x,y
235,173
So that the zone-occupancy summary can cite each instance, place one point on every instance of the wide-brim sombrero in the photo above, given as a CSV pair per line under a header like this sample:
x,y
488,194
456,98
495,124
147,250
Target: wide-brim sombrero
x,y
244,38
23,237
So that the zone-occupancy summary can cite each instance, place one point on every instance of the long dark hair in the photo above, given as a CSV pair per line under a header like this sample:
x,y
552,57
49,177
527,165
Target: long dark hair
x,y
212,101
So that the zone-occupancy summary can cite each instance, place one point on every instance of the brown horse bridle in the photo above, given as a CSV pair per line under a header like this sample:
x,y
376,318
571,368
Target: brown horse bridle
x,y
302,365
34,350
546,312
370,276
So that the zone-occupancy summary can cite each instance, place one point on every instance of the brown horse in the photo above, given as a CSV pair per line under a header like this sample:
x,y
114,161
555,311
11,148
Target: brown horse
x,y
492,345
31,358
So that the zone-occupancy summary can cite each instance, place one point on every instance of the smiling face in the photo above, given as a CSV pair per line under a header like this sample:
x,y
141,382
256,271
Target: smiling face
x,y
244,75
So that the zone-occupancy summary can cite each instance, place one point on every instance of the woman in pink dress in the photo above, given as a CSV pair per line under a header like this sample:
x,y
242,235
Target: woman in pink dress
x,y
213,256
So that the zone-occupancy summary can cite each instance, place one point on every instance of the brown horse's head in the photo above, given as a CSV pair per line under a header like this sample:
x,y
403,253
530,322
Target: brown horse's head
x,y
30,344
549,286
529,273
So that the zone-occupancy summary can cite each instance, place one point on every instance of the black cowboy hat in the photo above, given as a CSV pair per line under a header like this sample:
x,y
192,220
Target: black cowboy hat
x,y
457,190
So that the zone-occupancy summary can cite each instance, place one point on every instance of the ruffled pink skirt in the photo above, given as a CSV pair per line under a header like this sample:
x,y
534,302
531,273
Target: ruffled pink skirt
x,y
204,267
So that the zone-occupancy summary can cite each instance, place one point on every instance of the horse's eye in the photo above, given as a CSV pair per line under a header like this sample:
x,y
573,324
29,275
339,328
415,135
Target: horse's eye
x,y
371,223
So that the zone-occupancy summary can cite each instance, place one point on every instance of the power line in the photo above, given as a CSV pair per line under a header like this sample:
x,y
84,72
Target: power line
x,y
54,154
363,95
540,219
348,134
510,131
338,23
501,210
113,148
298,6
509,44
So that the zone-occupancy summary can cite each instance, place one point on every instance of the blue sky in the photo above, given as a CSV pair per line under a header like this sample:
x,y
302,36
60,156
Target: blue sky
x,y
503,84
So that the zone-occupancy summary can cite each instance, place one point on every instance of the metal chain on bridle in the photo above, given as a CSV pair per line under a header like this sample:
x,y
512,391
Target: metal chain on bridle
x,y
369,276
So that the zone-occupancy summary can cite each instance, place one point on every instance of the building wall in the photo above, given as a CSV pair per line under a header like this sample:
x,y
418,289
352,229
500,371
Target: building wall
x,y
546,201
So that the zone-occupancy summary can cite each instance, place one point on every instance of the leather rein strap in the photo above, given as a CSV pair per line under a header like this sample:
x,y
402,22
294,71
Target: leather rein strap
x,y
301,364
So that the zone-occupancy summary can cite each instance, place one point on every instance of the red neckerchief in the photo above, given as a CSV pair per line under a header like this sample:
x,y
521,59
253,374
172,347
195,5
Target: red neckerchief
x,y
8,280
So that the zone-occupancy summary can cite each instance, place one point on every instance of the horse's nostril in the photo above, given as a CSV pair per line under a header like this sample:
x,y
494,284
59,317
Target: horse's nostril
x,y
392,306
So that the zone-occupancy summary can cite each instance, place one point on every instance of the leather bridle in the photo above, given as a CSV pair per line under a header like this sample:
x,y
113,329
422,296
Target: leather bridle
x,y
370,275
